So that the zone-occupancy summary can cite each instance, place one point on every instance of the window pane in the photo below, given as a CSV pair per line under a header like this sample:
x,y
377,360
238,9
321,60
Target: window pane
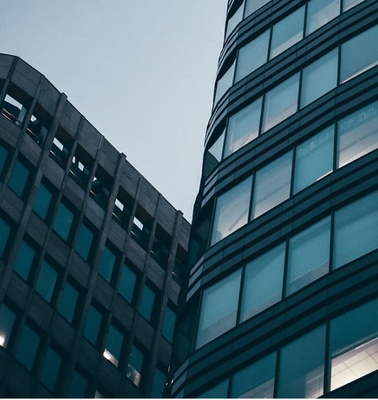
x,y
68,302
46,281
319,78
51,369
63,221
27,347
231,211
252,56
357,134
218,308
7,320
42,201
350,3
303,376
272,185
3,158
24,260
107,264
218,391
359,54
135,367
169,324
287,32
243,127
84,241
127,283
213,155
308,255
19,178
257,380
5,230
314,159
281,102
356,230
158,384
224,83
148,303
234,20
93,325
354,346
263,282
320,12
253,5
114,345
78,386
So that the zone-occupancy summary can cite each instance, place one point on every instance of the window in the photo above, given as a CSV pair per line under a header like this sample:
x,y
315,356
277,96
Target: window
x,y
39,125
256,380
81,167
253,5
147,304
219,391
46,282
272,185
319,77
218,309
24,260
127,283
262,285
7,321
114,344
135,368
63,221
224,83
303,376
5,231
93,325
231,210
320,12
243,127
3,158
308,257
51,368
252,56
359,54
280,102
107,264
43,201
122,208
68,301
357,134
169,323
213,155
12,109
61,147
161,246
141,227
354,344
78,386
347,4
28,347
287,32
84,242
101,186
19,178
356,230
314,159
234,20
158,384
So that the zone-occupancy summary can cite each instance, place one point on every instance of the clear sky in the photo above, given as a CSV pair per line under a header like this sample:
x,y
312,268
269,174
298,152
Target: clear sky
x,y
141,71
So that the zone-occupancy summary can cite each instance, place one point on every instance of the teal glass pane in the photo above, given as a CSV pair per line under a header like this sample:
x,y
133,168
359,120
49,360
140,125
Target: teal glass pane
x,y
147,304
107,264
127,283
3,158
19,178
135,367
42,201
51,369
158,384
218,391
68,302
5,231
7,320
84,242
114,345
46,281
320,12
63,221
169,324
24,260
78,386
93,325
27,347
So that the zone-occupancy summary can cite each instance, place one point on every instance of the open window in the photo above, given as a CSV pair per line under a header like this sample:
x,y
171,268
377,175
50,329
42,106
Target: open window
x,y
61,147
161,246
141,227
81,167
15,105
101,187
122,207
39,125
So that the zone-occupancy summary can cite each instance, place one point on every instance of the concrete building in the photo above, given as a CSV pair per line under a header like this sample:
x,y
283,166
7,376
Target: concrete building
x,y
91,255
282,298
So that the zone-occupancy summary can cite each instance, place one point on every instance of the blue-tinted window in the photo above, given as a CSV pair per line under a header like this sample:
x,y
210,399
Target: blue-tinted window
x,y
28,347
46,281
19,178
5,231
169,323
114,344
63,221
78,386
253,5
320,12
84,241
68,301
234,20
135,368
7,320
93,325
224,83
51,369
148,302
158,384
3,158
24,260
42,201
219,391
127,283
107,264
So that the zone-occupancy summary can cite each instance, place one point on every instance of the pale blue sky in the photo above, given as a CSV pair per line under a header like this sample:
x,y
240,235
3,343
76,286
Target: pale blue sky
x,y
141,71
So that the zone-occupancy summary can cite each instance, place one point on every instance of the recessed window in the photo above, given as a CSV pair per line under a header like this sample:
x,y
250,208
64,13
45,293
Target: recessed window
x,y
158,384
25,259
107,264
114,344
93,325
79,384
127,283
224,83
14,106
219,391
169,324
51,368
81,167
147,304
63,221
231,211
280,102
161,246
61,147
252,56
7,320
234,20
28,347
43,201
19,178
136,363
141,227
320,12
69,301
319,78
46,282
253,5
39,125
308,255
101,186
356,230
287,32
85,241
272,185
5,231
314,159
218,309
263,280
213,155
243,127
122,208
303,376
4,153
256,380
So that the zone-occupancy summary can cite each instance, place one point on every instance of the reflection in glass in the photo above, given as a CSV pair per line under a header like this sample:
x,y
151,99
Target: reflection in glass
x,y
135,367
272,185
218,391
114,345
281,102
224,83
347,4
234,20
7,320
218,309
243,127
231,211
262,282
320,12
253,5
357,134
